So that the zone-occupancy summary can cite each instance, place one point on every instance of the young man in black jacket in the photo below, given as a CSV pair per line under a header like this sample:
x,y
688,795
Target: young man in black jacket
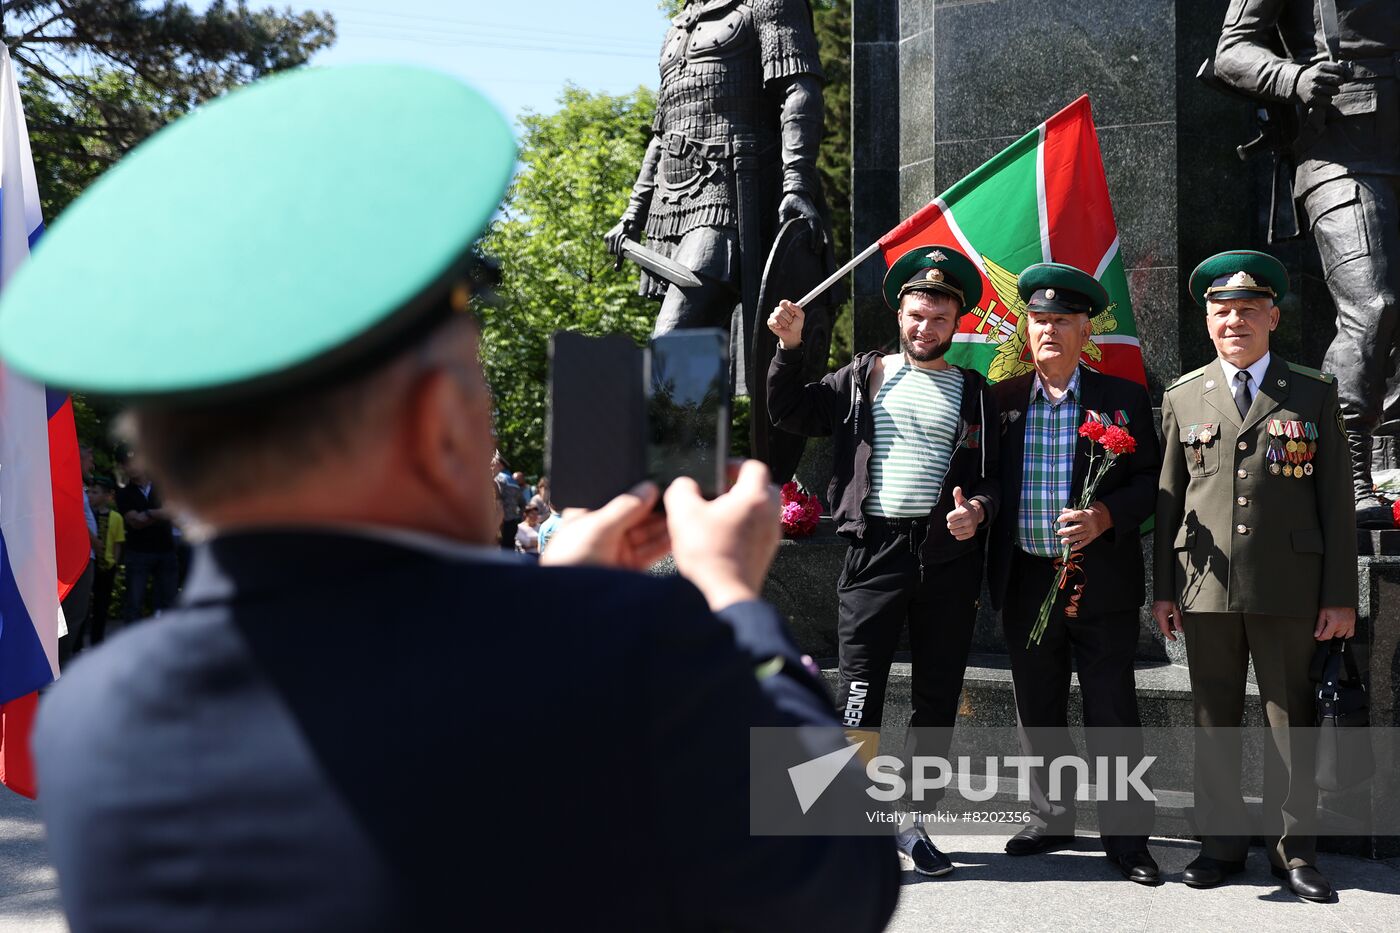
x,y
914,480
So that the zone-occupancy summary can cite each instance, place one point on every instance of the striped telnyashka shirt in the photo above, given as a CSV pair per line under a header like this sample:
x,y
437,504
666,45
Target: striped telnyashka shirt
x,y
916,428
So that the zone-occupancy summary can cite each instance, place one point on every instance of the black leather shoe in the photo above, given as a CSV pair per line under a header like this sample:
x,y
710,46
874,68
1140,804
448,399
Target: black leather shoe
x,y
920,850
1033,840
1206,872
1138,866
1306,882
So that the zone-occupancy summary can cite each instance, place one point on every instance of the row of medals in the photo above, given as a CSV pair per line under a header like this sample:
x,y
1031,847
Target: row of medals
x,y
1292,446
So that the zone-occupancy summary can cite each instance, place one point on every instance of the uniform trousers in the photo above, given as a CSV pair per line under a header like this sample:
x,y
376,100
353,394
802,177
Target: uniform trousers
x,y
1219,646
1102,647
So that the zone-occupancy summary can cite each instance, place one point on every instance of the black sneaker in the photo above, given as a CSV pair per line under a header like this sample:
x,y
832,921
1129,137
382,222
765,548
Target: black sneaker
x,y
916,847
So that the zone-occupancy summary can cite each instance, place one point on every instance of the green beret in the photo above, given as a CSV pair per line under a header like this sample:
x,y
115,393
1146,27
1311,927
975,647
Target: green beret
x,y
291,231
939,269
1057,288
1239,273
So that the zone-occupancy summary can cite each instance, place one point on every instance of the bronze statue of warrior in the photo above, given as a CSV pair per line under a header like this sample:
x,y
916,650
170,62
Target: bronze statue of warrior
x,y
732,158
1338,63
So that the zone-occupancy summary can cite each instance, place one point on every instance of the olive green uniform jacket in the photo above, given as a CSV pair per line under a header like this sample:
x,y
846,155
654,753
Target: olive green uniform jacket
x,y
1232,536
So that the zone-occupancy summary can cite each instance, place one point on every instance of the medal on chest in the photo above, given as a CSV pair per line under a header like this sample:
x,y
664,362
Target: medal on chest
x,y
1276,453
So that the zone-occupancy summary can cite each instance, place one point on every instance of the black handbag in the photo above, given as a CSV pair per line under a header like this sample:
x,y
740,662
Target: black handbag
x,y
1344,755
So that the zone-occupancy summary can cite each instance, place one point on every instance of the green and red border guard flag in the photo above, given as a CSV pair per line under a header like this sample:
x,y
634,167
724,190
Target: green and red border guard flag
x,y
1042,199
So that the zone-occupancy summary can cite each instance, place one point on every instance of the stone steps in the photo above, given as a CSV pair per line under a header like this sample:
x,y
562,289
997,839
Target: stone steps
x,y
1164,694
1164,700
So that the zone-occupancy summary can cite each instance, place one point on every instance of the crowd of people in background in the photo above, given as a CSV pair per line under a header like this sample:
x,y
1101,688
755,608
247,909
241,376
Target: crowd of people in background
x,y
137,560
528,519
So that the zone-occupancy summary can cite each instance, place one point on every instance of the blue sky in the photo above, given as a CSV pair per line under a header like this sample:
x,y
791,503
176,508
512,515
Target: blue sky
x,y
519,52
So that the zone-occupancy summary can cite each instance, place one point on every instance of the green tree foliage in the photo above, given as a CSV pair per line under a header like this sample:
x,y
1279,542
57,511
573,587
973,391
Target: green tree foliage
x,y
577,169
99,76
832,19
94,420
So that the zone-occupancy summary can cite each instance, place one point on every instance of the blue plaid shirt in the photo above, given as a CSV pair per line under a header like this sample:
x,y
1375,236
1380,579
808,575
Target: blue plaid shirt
x,y
1047,472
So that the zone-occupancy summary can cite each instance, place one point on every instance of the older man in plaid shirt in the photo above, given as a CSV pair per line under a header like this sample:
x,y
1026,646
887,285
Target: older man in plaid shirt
x,y
1097,626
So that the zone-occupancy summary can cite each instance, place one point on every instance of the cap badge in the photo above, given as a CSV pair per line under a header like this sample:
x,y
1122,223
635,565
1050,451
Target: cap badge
x,y
1242,280
938,256
1050,294
934,275
461,298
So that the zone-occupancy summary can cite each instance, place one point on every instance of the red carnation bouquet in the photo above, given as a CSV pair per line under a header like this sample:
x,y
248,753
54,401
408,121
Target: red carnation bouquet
x,y
1115,441
800,511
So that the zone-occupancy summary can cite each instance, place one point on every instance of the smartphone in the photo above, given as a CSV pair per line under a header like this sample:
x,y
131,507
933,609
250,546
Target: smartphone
x,y
596,427
688,410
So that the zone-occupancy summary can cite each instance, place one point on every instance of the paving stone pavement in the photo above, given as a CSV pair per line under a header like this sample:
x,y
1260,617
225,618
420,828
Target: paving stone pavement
x,y
1077,890
28,885
1065,891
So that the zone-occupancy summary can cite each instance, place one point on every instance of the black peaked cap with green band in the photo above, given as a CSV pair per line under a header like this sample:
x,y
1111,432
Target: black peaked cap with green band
x,y
291,231
1239,273
934,268
1057,288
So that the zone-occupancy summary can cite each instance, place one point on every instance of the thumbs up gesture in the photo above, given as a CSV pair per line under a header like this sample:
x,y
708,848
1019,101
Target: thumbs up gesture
x,y
965,517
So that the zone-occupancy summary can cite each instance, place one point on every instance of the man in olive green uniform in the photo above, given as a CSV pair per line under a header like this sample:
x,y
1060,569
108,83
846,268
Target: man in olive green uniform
x,y
1255,558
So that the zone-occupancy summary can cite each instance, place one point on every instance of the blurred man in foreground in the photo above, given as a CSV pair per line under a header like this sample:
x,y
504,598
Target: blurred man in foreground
x,y
291,748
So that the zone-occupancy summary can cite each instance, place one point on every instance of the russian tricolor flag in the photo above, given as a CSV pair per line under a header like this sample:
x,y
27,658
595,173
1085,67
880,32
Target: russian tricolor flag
x,y
43,538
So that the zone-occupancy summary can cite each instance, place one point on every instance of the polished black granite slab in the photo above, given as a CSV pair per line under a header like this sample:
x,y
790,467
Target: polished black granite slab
x,y
942,85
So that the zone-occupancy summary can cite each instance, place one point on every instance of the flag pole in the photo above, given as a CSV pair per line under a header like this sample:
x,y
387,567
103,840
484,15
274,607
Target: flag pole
x,y
815,293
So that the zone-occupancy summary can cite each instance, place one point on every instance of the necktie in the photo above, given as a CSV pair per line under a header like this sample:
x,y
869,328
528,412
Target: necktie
x,y
1243,395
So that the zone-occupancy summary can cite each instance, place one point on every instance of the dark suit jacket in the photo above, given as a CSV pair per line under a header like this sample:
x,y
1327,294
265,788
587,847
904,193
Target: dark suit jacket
x,y
335,732
1113,561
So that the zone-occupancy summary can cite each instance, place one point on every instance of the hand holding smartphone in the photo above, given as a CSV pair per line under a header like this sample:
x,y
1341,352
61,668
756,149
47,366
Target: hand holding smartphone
x,y
620,414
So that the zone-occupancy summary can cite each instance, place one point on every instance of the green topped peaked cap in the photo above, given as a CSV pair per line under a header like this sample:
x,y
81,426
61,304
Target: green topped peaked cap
x,y
1057,288
934,269
1239,273
286,232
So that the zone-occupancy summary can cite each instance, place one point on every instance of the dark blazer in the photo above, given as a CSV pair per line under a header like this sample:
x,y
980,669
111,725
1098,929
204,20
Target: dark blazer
x,y
1113,562
327,724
